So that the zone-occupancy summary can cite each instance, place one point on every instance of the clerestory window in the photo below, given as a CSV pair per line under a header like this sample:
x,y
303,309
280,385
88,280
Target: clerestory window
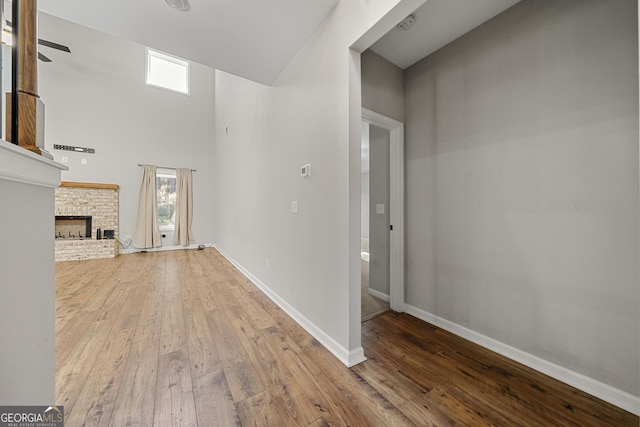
x,y
167,72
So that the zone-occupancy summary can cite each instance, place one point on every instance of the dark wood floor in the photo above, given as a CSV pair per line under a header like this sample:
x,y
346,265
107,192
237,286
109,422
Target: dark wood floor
x,y
183,339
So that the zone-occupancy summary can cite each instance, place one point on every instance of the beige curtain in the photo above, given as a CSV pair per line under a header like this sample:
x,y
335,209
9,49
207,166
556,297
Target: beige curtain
x,y
182,234
147,233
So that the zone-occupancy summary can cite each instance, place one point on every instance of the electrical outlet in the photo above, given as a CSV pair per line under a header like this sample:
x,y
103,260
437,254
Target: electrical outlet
x,y
294,206
305,171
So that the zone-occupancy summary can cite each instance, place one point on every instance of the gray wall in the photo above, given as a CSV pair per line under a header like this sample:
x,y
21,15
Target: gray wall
x,y
379,140
522,184
382,86
364,190
383,93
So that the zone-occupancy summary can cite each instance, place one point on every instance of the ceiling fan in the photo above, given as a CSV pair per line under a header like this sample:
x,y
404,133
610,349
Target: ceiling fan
x,y
41,42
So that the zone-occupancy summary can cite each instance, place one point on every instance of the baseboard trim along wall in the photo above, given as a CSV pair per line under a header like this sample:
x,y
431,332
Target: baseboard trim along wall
x,y
349,358
600,390
379,295
132,250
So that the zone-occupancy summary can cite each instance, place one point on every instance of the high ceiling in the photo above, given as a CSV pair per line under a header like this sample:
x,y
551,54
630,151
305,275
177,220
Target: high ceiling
x,y
253,39
437,23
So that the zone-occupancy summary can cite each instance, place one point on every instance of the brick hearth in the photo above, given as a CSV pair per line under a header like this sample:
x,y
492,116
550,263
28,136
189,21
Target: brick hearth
x,y
101,202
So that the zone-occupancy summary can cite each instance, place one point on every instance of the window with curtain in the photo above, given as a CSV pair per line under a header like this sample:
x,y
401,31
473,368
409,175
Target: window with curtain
x,y
147,233
183,234
166,197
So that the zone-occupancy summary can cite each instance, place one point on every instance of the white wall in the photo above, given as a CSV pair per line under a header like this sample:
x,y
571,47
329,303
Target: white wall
x,y
96,97
522,185
27,302
27,294
307,116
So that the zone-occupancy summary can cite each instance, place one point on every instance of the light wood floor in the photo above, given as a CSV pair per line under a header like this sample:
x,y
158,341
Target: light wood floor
x,y
182,339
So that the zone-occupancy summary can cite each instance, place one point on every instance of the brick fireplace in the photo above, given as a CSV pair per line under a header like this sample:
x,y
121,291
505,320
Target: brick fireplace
x,y
81,209
73,227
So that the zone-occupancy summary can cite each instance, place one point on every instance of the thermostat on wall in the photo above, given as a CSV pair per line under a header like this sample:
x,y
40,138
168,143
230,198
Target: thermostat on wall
x,y
305,171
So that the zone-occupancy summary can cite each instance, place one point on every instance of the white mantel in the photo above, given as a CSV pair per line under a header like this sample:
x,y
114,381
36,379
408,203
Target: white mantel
x,y
20,165
27,287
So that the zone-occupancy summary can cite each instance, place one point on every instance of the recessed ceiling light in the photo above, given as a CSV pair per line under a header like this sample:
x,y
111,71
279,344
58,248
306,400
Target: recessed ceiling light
x,y
181,5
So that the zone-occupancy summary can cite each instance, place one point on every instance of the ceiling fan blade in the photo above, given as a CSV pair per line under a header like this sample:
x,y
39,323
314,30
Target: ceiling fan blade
x,y
46,43
53,45
43,58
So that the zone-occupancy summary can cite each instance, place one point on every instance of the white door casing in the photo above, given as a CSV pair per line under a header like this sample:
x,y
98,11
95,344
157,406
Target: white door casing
x,y
396,205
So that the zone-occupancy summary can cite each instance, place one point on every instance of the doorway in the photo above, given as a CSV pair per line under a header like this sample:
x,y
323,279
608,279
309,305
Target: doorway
x,y
384,210
375,223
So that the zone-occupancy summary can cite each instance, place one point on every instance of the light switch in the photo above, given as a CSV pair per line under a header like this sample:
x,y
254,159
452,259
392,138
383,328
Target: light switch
x,y
64,159
294,206
83,161
380,209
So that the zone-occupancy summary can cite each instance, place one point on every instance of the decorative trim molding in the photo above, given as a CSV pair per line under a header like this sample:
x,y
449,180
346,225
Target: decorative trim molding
x,y
20,165
596,388
349,358
378,294
89,185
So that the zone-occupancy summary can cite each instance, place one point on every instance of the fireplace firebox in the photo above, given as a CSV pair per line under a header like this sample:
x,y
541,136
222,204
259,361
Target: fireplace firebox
x,y
73,227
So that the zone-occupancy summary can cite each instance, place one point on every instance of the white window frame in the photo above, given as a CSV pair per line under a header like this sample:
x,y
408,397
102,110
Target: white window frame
x,y
152,53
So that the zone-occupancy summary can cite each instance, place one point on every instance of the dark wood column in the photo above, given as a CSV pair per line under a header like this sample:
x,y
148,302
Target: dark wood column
x,y
31,108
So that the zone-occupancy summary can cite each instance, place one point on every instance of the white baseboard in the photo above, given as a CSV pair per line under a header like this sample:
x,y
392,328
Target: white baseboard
x,y
379,295
349,358
617,397
132,250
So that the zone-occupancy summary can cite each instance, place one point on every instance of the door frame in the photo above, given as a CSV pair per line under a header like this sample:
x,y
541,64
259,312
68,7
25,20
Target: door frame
x,y
396,205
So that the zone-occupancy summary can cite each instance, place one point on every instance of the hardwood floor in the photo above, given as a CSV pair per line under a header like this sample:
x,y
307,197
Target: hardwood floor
x,y
183,339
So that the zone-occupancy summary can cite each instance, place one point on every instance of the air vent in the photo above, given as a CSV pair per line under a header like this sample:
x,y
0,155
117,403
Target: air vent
x,y
72,148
